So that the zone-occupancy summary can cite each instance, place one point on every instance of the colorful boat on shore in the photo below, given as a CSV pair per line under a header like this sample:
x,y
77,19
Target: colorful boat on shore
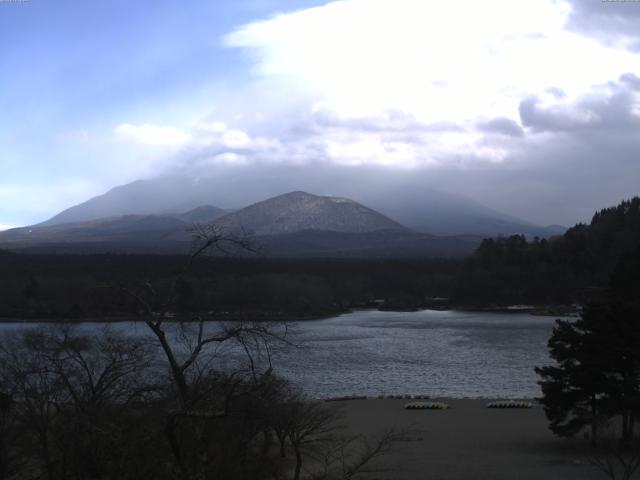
x,y
510,404
426,406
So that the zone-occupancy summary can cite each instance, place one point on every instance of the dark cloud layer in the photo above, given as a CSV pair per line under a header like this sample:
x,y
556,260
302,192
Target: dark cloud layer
x,y
609,21
610,107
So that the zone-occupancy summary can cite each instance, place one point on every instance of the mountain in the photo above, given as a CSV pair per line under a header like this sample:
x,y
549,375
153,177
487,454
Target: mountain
x,y
399,197
296,224
203,214
165,195
297,211
126,228
443,213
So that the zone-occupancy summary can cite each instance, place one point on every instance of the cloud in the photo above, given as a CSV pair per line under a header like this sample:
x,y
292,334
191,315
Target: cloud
x,y
6,227
387,120
615,105
516,103
631,80
534,113
408,83
615,23
502,126
153,135
445,62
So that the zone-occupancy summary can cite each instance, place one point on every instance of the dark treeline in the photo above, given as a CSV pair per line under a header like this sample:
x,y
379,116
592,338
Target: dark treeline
x,y
89,286
562,270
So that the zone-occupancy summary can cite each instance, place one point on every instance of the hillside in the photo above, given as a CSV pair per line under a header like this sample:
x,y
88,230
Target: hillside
x,y
297,211
559,270
127,228
202,214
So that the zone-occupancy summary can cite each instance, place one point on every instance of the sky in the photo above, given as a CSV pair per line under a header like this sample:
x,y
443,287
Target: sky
x,y
531,107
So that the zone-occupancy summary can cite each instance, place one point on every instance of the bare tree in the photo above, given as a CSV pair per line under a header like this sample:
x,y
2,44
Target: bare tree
x,y
68,393
219,416
156,309
349,457
617,459
314,432
189,347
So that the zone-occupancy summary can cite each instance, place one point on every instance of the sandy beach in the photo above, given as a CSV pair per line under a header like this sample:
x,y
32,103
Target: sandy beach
x,y
469,441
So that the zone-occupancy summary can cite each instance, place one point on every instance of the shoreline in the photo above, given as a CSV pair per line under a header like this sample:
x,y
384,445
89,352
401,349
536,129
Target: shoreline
x,y
428,398
539,310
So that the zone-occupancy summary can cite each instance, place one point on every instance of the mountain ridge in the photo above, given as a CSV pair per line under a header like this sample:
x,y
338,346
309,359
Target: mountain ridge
x,y
295,224
403,199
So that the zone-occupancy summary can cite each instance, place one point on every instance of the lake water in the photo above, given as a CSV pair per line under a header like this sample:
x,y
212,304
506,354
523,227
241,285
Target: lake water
x,y
436,353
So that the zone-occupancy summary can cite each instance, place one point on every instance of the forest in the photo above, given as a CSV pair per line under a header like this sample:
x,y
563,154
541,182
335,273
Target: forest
x,y
562,270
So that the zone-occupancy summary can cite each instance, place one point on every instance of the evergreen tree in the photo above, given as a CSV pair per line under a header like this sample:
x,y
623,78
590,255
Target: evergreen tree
x,y
573,389
597,375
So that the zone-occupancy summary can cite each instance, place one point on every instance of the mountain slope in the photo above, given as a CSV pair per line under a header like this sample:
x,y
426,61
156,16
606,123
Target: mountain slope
x,y
203,214
298,211
400,197
442,213
129,228
295,224
289,213
142,197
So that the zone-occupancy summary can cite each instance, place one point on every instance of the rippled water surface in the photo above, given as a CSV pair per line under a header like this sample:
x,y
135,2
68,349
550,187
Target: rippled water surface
x,y
436,353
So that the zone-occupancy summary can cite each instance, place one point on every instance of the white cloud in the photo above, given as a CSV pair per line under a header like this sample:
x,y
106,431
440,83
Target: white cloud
x,y
469,92
153,135
386,66
6,227
235,139
444,60
404,83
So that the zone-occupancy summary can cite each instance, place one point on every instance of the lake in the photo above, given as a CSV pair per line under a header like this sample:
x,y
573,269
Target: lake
x,y
436,353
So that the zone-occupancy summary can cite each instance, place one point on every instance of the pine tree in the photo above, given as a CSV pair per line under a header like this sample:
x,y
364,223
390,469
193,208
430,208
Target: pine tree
x,y
573,389
597,375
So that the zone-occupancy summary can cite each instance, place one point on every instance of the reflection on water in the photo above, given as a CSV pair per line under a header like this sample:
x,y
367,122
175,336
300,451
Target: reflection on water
x,y
437,353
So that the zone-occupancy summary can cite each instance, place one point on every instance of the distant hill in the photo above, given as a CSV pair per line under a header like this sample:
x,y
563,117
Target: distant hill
x,y
127,228
401,199
297,211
